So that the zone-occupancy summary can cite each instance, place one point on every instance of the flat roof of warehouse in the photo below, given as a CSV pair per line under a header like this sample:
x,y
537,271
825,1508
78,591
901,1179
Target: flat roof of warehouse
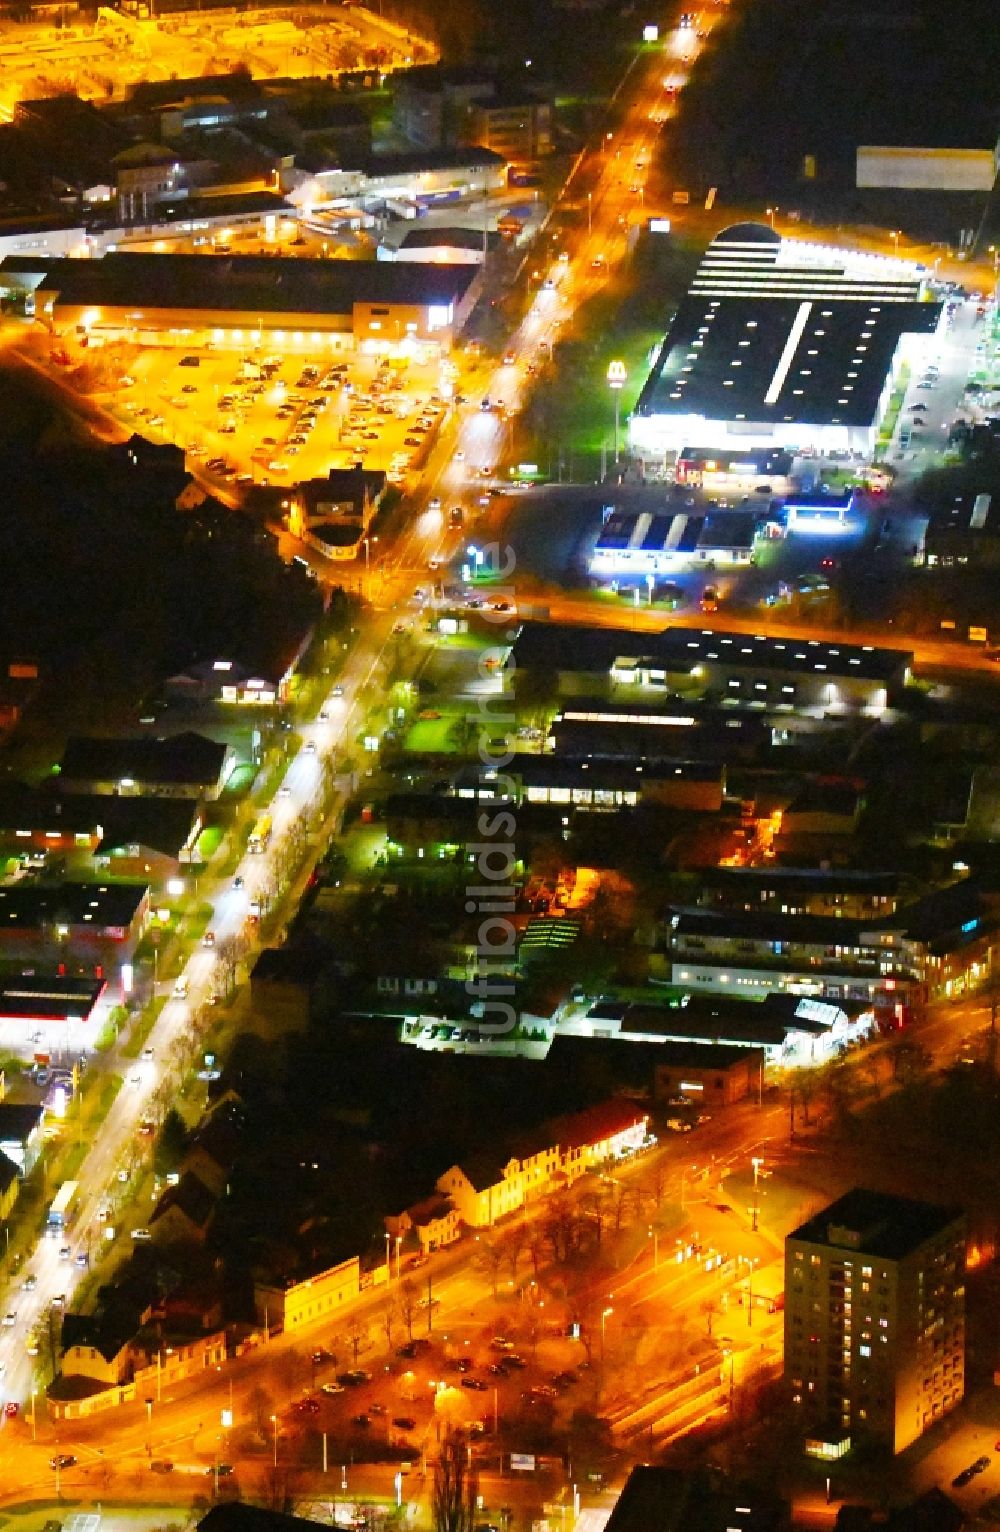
x,y
786,332
48,996
267,283
562,646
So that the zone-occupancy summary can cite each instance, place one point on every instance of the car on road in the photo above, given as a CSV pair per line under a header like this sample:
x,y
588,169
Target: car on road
x,y
331,1388
404,1422
65,1253
11,1409
141,1236
364,1421
307,1407
962,1479
30,1283
161,1465
62,1460
475,1384
459,1364
10,1319
981,1464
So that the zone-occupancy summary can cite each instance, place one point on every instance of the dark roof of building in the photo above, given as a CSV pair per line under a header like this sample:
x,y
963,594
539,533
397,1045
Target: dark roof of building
x,y
9,1172
824,795
746,881
748,233
674,1054
769,333
100,905
271,285
18,1120
595,1123
235,86
693,1500
236,1516
772,926
162,824
424,238
430,1210
191,1197
226,205
563,646
189,759
49,996
876,1223
412,161
554,771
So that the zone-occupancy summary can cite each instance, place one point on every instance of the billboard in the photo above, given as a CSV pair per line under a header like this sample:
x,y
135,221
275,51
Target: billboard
x,y
915,169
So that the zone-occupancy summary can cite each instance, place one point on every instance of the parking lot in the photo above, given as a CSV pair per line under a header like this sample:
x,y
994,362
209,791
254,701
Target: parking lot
x,y
283,419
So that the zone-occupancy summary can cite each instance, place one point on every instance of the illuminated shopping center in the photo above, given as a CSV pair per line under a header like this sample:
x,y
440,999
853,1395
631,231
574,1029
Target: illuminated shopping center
x,y
235,302
784,344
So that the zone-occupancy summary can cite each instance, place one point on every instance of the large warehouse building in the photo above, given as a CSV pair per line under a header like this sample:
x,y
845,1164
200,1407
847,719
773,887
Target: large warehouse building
x,y
191,300
779,343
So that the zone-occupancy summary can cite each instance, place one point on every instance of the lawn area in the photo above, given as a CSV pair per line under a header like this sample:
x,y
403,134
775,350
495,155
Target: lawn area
x,y
433,736
194,923
239,783
142,1026
208,843
571,414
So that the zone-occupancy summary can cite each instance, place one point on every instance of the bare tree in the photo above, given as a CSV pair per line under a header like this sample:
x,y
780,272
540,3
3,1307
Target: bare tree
x,y
453,1497
409,1305
489,1257
390,1314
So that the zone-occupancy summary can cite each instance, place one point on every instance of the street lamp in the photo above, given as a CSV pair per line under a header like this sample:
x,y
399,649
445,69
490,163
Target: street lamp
x,y
756,1162
617,378
604,1315
770,214
274,1423
895,241
654,1235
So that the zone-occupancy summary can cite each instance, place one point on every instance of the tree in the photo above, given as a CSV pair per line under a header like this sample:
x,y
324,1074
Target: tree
x,y
170,1144
453,1496
708,1308
408,1305
489,1257
390,1314
261,1409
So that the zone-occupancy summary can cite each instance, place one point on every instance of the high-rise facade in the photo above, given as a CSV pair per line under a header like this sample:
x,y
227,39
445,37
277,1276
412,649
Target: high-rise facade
x,y
875,1318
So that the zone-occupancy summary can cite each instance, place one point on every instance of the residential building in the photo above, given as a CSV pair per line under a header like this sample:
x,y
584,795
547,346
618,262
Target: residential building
x,y
292,1305
516,123
435,1222
184,765
184,1214
216,1145
875,1319
101,1346
488,1186
783,344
